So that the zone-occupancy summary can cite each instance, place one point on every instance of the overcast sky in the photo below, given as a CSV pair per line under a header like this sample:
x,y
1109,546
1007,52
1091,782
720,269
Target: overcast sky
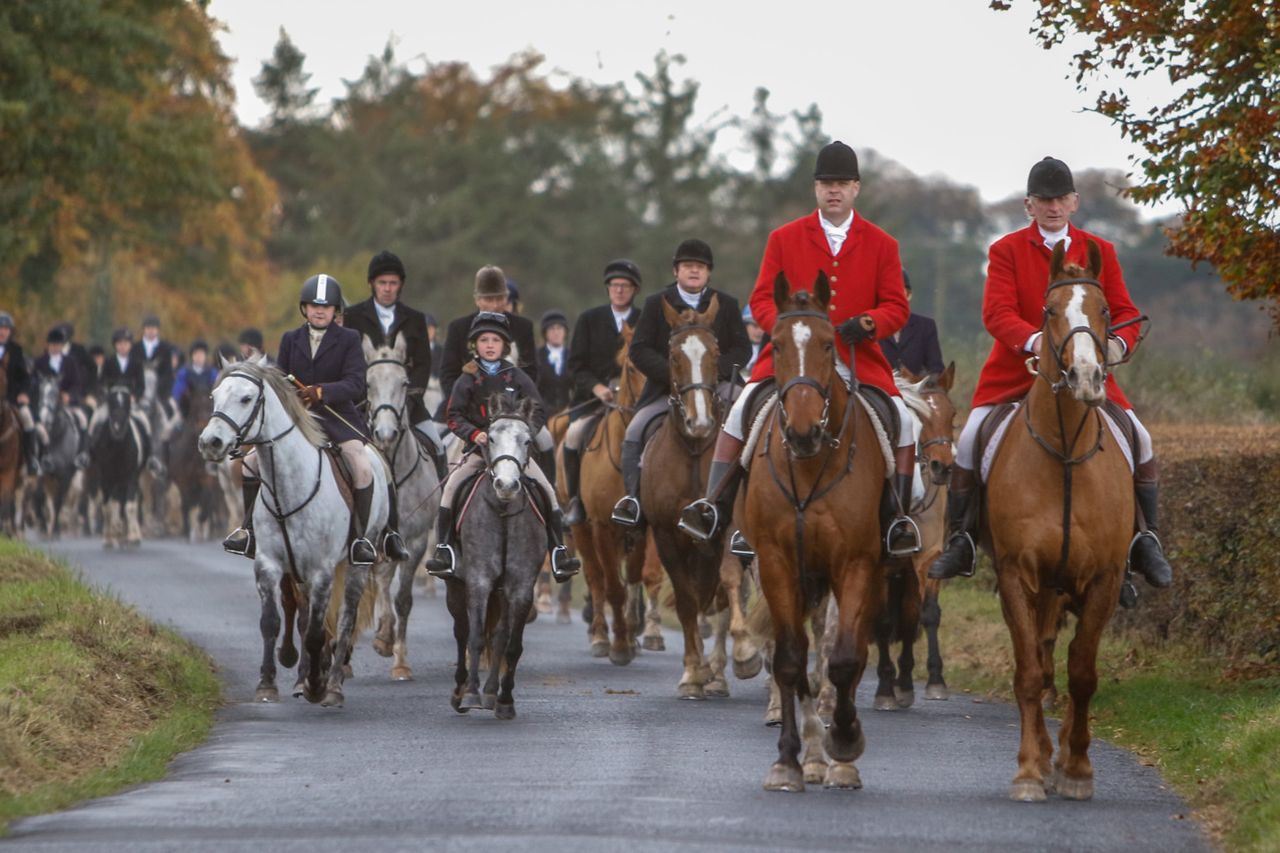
x,y
943,86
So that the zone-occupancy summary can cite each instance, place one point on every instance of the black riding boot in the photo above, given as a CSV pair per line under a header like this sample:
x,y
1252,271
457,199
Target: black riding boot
x,y
563,566
392,543
1146,557
627,510
362,552
241,540
704,518
902,536
961,554
573,513
443,562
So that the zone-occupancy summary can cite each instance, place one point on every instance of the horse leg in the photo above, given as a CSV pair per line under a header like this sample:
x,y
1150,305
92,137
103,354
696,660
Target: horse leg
x,y
615,597
314,639
357,577
1075,772
455,596
400,669
594,553
501,619
824,622
383,614
791,651
772,711
717,684
651,640
885,629
904,690
519,603
858,594
1052,619
694,676
1020,615
931,618
288,652
478,591
302,604
267,577
747,661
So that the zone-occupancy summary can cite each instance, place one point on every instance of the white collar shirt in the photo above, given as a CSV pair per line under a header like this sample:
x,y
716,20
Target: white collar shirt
x,y
836,234
690,299
386,316
149,347
555,355
1053,238
123,361
620,317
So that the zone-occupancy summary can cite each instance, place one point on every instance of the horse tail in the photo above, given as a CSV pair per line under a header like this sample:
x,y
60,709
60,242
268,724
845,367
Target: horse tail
x,y
364,612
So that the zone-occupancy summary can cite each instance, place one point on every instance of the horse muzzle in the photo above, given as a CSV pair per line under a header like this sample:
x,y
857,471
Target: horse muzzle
x,y
939,472
805,445
1087,383
212,448
506,488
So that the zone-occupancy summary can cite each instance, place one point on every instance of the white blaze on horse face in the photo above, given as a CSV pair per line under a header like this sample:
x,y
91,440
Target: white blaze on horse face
x,y
694,350
1084,358
801,333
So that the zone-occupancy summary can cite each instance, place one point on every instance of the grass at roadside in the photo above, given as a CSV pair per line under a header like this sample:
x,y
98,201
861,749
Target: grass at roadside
x,y
93,698
1211,726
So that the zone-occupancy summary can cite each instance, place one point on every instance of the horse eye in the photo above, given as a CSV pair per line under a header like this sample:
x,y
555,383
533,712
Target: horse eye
x,y
245,399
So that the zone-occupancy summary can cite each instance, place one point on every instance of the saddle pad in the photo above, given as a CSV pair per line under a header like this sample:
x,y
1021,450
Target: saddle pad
x,y
767,407
1118,432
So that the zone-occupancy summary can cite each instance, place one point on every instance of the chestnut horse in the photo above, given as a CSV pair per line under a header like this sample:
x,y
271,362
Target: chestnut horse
x,y
601,543
705,578
1059,519
813,514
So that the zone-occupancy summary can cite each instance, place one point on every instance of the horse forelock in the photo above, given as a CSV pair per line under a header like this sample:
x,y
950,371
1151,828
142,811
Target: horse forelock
x,y
911,395
271,377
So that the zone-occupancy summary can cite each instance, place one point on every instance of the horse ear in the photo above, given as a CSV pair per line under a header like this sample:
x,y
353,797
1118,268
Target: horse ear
x,y
948,376
261,360
1095,259
400,348
709,316
822,290
1055,263
907,376
527,408
670,314
367,346
781,291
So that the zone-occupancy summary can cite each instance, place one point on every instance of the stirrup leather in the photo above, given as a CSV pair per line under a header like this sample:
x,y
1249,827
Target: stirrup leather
x,y
699,520
894,527
628,504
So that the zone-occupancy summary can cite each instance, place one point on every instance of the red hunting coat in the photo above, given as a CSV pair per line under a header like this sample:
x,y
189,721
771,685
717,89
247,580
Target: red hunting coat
x,y
866,278
1013,308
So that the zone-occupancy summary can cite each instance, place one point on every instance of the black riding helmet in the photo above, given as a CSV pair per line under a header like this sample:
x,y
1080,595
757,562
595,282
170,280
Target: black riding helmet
x,y
693,250
320,290
622,268
490,321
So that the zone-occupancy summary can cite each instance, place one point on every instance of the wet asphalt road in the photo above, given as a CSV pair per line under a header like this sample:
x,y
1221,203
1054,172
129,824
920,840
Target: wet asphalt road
x,y
581,768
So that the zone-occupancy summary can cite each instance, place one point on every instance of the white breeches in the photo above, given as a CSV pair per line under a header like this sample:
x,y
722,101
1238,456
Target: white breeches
x,y
966,446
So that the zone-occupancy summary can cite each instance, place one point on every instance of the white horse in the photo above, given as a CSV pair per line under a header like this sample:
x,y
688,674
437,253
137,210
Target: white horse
x,y
301,520
418,494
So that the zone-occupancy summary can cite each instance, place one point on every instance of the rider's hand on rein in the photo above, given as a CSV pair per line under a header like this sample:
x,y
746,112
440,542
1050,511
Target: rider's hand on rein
x,y
857,329
310,395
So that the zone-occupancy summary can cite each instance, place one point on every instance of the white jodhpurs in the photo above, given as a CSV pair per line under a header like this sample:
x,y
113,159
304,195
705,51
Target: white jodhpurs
x,y
966,446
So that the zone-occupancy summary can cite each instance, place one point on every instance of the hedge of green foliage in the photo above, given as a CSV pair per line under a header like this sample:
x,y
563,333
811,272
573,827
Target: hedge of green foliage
x,y
1220,522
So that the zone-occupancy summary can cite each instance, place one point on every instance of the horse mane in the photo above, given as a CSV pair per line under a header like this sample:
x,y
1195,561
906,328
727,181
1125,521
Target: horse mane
x,y
911,395
270,375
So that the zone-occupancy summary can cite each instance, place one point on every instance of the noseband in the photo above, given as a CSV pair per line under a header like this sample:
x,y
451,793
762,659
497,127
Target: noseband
x,y
677,394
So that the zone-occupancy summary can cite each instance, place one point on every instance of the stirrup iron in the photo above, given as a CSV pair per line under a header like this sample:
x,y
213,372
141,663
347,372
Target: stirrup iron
x,y
740,547
446,561
630,504
698,513
356,560
895,526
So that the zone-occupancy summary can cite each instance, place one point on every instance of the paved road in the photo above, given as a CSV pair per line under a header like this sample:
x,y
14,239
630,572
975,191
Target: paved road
x,y
580,769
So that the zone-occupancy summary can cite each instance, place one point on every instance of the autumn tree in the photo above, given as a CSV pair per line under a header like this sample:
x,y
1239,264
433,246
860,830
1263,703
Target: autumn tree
x,y
1214,146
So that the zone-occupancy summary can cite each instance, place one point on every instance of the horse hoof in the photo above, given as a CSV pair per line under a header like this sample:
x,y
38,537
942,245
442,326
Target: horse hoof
x,y
749,668
288,657
563,619
904,698
815,772
505,711
621,657
313,696
718,688
332,699
1028,791
937,692
455,702
691,690
299,690
472,702
885,703
773,718
600,649
382,647
266,694
784,777
401,673
489,701
842,753
653,644
842,775
1073,789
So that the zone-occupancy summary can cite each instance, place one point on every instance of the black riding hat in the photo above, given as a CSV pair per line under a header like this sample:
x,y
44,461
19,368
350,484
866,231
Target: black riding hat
x,y
198,343
385,262
552,317
836,162
1050,178
693,250
321,290
121,334
56,336
490,321
622,268
252,337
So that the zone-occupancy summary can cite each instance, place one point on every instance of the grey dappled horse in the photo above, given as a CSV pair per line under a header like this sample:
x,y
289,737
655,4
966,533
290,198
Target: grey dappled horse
x,y
301,520
417,489
503,542
58,431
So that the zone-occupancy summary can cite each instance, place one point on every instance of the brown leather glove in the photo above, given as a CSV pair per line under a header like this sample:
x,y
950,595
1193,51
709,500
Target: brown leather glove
x,y
310,395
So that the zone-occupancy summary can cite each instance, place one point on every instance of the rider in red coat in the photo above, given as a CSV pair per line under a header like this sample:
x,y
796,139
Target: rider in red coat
x,y
868,302
1012,310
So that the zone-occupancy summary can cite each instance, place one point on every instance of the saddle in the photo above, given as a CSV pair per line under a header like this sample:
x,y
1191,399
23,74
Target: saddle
x,y
992,430
537,499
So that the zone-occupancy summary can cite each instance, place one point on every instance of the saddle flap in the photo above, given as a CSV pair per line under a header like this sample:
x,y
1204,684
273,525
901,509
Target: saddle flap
x,y
990,431
882,404
343,475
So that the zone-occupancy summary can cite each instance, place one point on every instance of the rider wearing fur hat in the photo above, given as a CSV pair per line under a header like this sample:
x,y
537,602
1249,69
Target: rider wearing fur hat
x,y
489,373
329,361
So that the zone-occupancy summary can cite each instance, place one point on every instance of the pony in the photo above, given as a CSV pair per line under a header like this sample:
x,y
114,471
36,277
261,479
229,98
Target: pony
x,y
503,540
301,519
705,578
417,489
1054,529
118,452
58,433
812,511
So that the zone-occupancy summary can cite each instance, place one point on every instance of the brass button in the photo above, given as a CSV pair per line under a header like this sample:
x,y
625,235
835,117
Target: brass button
x,y
835,278
835,263
833,294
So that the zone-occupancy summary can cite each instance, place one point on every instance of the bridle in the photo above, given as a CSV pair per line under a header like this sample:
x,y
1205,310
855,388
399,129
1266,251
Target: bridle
x,y
258,412
401,431
824,391
1057,349
491,461
678,391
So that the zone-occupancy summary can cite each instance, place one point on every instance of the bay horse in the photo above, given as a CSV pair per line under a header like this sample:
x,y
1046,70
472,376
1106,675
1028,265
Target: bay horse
x,y
612,562
118,451
199,491
417,490
503,540
813,513
705,578
301,519
1058,520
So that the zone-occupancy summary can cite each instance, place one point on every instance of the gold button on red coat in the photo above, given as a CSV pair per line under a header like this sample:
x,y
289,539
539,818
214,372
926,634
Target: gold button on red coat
x,y
835,263
835,278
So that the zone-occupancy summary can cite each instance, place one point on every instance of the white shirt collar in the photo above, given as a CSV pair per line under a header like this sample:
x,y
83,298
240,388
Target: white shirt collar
x,y
620,317
1053,238
690,299
386,316
555,355
836,234
55,361
123,361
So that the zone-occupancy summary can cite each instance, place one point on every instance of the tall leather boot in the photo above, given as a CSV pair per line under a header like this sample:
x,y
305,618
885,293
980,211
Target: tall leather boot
x,y
362,552
902,536
627,511
392,543
703,518
241,541
443,563
573,513
961,554
563,566
1146,556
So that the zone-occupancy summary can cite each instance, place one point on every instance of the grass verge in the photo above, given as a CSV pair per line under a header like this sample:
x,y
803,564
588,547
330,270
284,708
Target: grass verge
x,y
93,698
1211,726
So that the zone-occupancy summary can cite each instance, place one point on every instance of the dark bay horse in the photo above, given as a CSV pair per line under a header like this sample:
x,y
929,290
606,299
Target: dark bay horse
x,y
198,488
1058,522
705,577
118,452
813,513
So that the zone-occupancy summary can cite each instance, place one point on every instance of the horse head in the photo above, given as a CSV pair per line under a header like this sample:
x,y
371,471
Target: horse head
x,y
1075,328
510,437
49,400
239,404
119,410
387,384
929,397
804,363
694,359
